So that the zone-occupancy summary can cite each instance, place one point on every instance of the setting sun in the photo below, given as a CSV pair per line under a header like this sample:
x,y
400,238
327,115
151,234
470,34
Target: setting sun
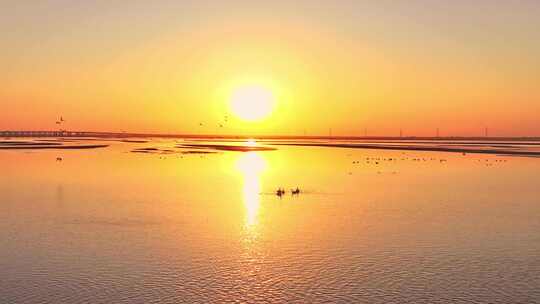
x,y
252,102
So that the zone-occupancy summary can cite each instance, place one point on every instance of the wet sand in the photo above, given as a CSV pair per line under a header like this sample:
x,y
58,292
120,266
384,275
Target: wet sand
x,y
169,151
51,147
28,143
238,148
459,149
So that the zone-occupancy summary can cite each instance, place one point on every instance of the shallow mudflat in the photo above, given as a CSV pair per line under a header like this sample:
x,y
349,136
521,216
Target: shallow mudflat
x,y
238,148
51,145
518,149
152,150
28,143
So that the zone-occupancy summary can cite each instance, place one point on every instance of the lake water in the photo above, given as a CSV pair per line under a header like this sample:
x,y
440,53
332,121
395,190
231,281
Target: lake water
x,y
369,226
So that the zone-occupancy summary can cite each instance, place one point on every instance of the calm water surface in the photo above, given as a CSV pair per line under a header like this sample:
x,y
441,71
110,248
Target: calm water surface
x,y
111,226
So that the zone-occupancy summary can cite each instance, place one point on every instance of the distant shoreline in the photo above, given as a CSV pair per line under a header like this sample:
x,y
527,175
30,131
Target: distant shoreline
x,y
7,134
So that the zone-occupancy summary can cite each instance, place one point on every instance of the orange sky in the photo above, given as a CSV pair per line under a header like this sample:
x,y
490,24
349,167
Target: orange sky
x,y
168,66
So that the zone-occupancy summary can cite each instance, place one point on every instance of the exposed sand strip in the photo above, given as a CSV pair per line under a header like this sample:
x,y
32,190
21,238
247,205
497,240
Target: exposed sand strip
x,y
42,147
228,147
416,148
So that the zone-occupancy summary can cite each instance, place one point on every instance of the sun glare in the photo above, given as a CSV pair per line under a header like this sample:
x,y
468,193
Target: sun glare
x,y
252,102
251,142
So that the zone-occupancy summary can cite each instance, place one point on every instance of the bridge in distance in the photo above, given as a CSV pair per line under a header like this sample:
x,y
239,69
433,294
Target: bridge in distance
x,y
66,133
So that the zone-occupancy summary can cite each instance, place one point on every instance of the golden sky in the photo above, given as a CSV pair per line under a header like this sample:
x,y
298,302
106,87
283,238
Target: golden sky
x,y
170,66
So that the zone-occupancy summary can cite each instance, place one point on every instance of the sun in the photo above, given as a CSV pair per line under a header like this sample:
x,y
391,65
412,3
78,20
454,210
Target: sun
x,y
252,103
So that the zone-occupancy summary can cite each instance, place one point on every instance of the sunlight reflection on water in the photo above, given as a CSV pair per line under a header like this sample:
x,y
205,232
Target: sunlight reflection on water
x,y
250,166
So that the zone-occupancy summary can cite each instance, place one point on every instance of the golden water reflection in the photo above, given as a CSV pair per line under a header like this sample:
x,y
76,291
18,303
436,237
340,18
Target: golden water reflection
x,y
251,165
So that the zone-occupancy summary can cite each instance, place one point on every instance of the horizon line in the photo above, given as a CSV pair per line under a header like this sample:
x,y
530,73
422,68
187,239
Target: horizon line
x,y
67,133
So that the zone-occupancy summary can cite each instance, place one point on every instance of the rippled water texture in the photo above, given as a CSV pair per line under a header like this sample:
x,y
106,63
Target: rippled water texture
x,y
168,221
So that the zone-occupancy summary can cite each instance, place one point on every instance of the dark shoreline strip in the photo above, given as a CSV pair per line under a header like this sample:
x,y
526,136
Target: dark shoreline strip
x,y
53,147
24,143
228,148
419,148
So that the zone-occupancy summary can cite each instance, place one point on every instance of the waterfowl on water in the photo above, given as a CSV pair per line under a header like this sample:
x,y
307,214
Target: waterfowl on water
x,y
280,192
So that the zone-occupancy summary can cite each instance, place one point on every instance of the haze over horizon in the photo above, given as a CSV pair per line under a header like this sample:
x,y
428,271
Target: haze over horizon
x,y
176,67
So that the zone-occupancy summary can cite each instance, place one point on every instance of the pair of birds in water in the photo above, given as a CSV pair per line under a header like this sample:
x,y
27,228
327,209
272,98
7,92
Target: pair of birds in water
x,y
280,192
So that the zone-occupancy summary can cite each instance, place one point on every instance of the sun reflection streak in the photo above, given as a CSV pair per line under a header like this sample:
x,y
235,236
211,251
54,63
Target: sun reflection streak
x,y
251,142
251,165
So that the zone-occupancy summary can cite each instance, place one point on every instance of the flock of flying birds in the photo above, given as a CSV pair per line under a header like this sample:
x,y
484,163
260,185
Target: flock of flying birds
x,y
201,124
221,124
